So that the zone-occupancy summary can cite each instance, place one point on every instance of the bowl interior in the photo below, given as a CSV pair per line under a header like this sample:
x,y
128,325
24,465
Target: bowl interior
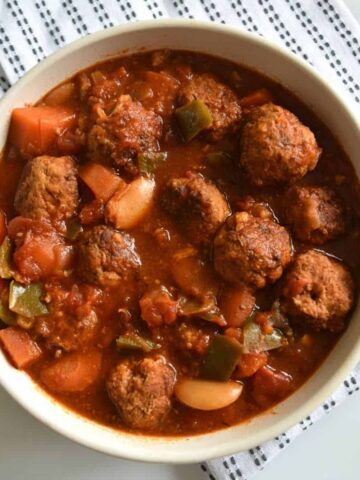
x,y
265,57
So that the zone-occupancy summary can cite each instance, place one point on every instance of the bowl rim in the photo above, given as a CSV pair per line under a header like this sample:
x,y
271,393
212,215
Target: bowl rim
x,y
311,403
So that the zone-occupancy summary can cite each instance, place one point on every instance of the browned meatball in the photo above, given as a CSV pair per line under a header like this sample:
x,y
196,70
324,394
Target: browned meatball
x,y
141,391
118,137
276,148
250,250
48,189
107,256
318,291
220,100
197,205
315,213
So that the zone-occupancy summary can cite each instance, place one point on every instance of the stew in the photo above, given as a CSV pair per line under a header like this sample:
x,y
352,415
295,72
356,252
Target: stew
x,y
179,243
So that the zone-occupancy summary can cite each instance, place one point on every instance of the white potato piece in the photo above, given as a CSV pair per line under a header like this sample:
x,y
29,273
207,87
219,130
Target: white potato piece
x,y
128,206
207,395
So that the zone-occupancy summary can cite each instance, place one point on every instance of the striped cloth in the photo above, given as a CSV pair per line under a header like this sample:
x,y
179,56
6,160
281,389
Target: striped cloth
x,y
323,32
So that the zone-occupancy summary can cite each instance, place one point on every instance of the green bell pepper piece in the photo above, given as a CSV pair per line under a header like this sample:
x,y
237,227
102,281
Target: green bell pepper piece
x,y
133,341
193,118
221,359
6,315
26,300
254,340
149,162
206,310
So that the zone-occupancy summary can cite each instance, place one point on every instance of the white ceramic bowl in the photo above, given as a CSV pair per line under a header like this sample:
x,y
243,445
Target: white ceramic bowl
x,y
277,63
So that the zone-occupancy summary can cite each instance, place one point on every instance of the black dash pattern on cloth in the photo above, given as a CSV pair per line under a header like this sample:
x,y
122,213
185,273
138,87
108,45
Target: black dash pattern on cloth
x,y
50,23
321,32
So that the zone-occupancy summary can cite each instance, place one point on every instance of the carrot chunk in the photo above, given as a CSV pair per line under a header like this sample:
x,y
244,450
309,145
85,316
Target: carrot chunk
x,y
20,347
237,304
257,98
34,129
101,180
74,372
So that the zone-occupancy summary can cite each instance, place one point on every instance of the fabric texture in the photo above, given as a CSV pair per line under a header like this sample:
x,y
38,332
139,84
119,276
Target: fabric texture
x,y
323,32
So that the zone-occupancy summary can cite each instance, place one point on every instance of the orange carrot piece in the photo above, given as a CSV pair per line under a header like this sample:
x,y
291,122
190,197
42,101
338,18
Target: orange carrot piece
x,y
34,129
101,180
74,372
257,98
237,305
19,346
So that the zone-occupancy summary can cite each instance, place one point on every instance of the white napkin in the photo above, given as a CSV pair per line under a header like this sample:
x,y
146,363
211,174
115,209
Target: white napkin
x,y
323,32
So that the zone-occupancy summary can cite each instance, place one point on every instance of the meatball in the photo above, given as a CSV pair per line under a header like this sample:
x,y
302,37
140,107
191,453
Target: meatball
x,y
141,391
276,148
48,189
318,291
250,250
220,100
118,137
315,213
107,257
197,205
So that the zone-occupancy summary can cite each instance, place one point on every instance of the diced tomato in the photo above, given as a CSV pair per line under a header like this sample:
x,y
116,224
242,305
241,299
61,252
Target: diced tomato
x,y
92,212
270,386
157,91
264,319
257,98
20,347
250,364
234,332
19,226
158,308
74,372
40,251
34,129
101,180
236,305
40,258
2,226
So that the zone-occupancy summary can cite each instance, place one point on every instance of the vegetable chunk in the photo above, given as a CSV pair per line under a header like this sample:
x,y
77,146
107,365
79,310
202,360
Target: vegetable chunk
x,y
128,206
205,395
26,300
193,118
73,373
34,129
222,357
22,350
101,180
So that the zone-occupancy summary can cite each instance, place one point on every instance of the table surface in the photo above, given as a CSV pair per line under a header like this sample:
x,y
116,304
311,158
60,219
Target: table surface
x,y
29,450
